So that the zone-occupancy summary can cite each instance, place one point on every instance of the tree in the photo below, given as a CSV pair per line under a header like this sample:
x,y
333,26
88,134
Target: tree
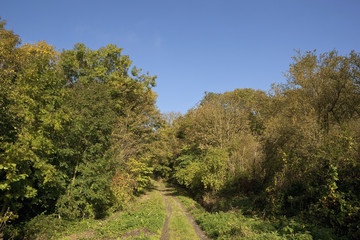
x,y
66,121
230,124
310,140
112,121
33,95
329,83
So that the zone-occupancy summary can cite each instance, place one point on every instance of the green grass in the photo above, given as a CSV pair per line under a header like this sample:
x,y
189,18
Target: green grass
x,y
180,228
235,225
143,219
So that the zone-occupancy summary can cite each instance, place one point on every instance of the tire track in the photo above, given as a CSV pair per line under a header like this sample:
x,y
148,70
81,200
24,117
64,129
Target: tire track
x,y
165,234
201,234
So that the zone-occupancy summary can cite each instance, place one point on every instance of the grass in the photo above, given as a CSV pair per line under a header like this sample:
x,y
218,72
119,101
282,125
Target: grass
x,y
143,219
180,228
234,225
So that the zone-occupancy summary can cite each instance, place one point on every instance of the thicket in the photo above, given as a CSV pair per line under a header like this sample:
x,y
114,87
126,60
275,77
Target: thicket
x,y
292,152
80,135
76,127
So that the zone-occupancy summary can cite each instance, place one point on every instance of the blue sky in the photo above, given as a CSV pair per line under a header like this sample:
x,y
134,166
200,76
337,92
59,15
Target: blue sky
x,y
194,46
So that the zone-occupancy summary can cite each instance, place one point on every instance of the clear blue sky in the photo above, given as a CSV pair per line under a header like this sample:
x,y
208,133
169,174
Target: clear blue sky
x,y
194,46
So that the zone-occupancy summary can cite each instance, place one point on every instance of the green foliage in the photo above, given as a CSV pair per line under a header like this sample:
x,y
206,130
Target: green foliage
x,y
141,173
310,142
122,188
80,133
69,123
190,176
214,169
219,141
293,151
234,225
28,177
143,215
207,172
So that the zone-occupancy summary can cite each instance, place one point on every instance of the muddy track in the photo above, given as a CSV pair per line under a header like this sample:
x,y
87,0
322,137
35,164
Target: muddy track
x,y
167,193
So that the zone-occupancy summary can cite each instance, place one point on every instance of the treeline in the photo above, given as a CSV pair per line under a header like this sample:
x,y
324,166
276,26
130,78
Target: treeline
x,y
75,131
293,151
80,135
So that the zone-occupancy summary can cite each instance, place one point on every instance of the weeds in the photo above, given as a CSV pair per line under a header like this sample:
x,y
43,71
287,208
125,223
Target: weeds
x,y
234,225
143,219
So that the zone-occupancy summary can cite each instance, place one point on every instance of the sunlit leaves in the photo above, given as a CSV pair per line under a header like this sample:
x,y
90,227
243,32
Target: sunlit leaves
x,y
61,125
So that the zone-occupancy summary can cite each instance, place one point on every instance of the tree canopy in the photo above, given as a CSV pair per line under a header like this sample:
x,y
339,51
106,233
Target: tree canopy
x,y
80,136
293,150
70,122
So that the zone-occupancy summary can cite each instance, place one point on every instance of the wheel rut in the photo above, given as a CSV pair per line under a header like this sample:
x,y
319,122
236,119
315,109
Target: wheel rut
x,y
201,234
169,197
165,233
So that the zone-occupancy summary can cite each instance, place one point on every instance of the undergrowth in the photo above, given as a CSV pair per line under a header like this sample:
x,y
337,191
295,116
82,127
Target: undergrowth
x,y
233,224
143,219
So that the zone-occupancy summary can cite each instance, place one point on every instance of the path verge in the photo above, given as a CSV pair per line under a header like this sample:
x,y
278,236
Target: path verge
x,y
179,223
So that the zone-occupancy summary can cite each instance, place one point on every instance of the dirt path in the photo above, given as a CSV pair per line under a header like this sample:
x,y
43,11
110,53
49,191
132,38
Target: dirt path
x,y
171,201
165,233
201,234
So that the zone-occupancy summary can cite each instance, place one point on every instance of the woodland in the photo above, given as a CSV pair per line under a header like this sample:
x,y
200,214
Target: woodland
x,y
81,137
